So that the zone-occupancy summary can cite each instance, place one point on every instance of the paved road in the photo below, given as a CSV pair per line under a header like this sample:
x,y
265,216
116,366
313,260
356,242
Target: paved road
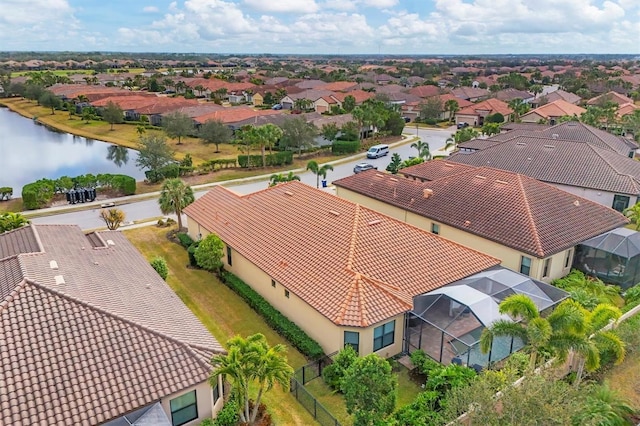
x,y
137,211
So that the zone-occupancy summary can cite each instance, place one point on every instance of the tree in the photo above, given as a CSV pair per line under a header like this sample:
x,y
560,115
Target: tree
x,y
369,389
395,163
174,197
452,106
160,265
350,131
494,118
113,114
423,149
394,124
113,218
431,108
251,363
633,213
297,133
215,131
490,129
536,89
519,108
33,92
141,130
330,131
88,113
281,178
154,153
49,100
11,220
349,103
177,125
209,253
319,170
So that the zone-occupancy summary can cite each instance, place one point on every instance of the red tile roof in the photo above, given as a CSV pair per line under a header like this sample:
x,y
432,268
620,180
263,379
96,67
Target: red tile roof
x,y
557,108
425,91
491,105
355,266
514,210
359,95
235,114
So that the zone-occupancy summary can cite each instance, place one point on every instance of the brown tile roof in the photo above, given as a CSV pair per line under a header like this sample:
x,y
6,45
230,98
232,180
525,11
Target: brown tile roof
x,y
340,86
509,94
426,91
492,105
355,266
561,94
557,108
66,362
470,92
359,95
21,240
610,97
94,331
514,210
235,114
560,162
580,132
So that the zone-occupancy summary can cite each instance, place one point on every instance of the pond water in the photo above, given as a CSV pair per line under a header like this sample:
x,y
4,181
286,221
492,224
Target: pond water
x,y
30,151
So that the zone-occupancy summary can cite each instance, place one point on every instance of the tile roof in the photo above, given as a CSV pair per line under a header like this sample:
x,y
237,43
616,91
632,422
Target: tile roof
x,y
235,114
511,93
560,162
610,97
561,94
359,95
470,92
511,209
355,266
426,91
492,105
66,362
557,108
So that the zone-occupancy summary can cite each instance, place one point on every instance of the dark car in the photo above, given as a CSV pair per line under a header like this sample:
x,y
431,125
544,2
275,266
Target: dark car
x,y
406,119
361,167
462,125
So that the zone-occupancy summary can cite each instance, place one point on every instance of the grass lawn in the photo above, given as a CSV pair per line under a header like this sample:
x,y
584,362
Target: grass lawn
x,y
625,379
221,311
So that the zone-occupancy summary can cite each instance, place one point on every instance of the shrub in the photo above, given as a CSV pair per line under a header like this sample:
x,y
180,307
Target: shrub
x,y
185,239
345,147
228,416
123,183
276,159
494,118
423,363
191,252
209,253
283,325
430,121
160,265
38,194
334,373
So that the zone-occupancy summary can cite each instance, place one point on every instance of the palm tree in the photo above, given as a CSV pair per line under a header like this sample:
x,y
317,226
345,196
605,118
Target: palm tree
x,y
423,149
605,407
11,220
633,213
174,197
519,108
251,361
113,218
319,170
281,178
452,106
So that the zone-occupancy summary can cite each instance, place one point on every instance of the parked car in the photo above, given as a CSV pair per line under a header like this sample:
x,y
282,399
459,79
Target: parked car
x,y
406,119
378,151
276,106
463,125
361,167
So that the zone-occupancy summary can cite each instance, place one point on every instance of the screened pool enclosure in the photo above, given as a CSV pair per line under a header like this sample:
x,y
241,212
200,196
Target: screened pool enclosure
x,y
614,257
447,323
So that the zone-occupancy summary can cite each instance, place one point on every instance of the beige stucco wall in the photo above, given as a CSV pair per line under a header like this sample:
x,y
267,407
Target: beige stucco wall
x,y
320,106
204,399
532,117
329,335
510,258
257,99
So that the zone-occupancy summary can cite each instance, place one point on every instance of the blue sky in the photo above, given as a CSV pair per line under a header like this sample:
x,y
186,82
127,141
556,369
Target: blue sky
x,y
323,26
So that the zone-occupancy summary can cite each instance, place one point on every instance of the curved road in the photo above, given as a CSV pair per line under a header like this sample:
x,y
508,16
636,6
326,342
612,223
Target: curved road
x,y
137,211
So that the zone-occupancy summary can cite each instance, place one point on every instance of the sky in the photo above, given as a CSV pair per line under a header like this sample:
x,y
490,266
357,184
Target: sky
x,y
421,27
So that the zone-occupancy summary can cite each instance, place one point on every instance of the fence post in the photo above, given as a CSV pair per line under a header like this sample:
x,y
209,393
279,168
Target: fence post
x,y
303,380
315,408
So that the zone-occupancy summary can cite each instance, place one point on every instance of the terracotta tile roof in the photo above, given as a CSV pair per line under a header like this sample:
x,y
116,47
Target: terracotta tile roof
x,y
610,97
340,86
491,105
66,362
560,162
359,95
561,94
626,109
470,92
511,209
355,266
509,94
557,108
425,91
462,103
235,114
94,331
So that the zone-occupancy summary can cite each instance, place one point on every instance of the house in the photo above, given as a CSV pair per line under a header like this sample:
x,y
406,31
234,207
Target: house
x,y
471,94
584,169
475,114
572,98
552,112
510,94
91,334
501,213
344,273
615,97
257,99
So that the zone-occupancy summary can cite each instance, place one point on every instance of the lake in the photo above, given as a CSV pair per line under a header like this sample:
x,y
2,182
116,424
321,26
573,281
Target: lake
x,y
30,151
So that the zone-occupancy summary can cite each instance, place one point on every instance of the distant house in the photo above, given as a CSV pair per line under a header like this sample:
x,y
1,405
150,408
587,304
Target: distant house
x,y
475,114
614,97
471,94
93,335
554,96
498,212
550,113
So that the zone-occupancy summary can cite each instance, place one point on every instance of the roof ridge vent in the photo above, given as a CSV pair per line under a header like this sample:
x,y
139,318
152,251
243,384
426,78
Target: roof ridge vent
x,y
549,146
53,264
333,212
502,182
393,179
289,193
481,177
374,222
59,280
521,143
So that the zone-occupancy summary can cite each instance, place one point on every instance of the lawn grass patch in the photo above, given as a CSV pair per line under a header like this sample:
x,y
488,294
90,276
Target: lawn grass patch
x,y
223,312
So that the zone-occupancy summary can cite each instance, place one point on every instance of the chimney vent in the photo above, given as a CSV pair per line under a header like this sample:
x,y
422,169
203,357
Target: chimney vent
x,y
59,279
427,192
335,213
289,193
374,222
110,243
467,223
393,179
576,203
555,136
481,177
549,146
53,265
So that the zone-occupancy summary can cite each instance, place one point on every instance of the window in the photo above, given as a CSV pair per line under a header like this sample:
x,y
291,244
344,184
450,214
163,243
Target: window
x,y
286,294
228,255
435,228
216,393
352,338
273,283
184,408
525,265
546,267
567,258
620,202
383,335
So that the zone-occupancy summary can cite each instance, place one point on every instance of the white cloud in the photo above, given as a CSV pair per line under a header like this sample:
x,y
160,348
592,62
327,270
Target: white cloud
x,y
283,6
380,4
150,9
342,5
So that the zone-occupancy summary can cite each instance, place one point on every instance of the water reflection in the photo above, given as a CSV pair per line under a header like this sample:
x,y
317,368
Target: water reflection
x,y
118,154
30,152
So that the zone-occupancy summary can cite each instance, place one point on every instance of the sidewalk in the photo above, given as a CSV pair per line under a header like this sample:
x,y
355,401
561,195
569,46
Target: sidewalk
x,y
406,138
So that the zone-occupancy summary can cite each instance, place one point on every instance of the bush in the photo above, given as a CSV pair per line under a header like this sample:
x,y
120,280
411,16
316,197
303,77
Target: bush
x,y
38,194
494,118
228,416
191,252
209,253
123,183
345,147
334,373
160,265
185,239
276,159
430,121
423,363
283,325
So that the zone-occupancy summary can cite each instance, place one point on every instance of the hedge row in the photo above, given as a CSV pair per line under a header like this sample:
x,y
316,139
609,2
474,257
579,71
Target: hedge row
x,y
276,159
219,163
185,239
345,147
283,325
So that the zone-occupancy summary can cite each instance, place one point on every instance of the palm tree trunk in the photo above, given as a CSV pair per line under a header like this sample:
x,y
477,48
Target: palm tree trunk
x,y
179,213
532,360
256,406
579,372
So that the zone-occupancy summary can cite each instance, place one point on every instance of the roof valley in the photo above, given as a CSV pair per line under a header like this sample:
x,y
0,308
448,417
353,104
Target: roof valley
x,y
532,222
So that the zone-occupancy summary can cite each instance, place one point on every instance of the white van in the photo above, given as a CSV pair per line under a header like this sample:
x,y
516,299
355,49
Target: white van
x,y
378,151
